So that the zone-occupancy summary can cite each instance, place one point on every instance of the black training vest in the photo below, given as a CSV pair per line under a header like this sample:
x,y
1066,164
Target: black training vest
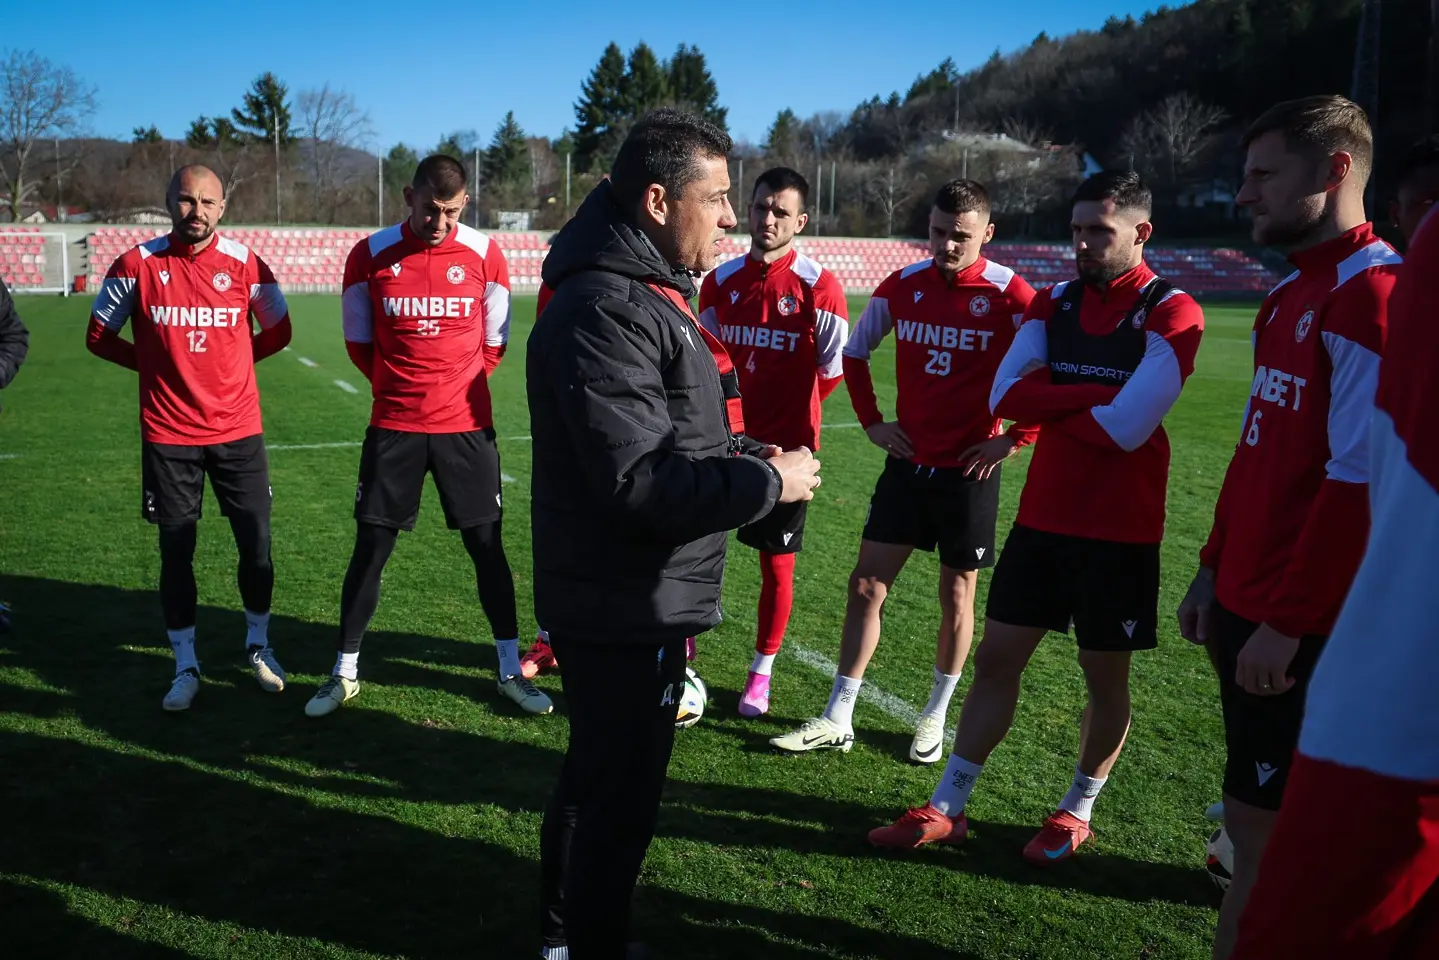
x,y
1076,356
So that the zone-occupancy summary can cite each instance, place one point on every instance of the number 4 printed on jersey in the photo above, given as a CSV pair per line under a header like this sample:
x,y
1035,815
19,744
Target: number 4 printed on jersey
x,y
750,364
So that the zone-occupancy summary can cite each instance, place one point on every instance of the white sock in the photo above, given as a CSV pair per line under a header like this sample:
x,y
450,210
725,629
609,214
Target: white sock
x,y
952,794
1081,796
841,701
183,643
763,663
258,634
347,665
509,651
940,695
555,953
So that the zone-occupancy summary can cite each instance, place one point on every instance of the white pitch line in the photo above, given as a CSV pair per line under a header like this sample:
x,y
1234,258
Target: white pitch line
x,y
506,478
307,361
9,456
312,446
345,386
526,437
887,702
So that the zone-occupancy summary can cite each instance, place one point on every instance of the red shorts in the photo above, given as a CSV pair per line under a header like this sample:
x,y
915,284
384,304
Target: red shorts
x,y
1351,870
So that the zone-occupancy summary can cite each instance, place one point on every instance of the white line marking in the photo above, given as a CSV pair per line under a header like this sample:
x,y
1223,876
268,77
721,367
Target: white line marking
x,y
887,702
9,456
506,478
312,446
345,386
517,439
307,361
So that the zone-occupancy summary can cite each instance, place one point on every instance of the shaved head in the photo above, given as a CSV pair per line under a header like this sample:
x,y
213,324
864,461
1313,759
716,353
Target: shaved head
x,y
196,201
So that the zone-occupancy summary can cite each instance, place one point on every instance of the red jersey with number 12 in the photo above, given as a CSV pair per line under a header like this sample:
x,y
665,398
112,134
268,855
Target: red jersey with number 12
x,y
191,319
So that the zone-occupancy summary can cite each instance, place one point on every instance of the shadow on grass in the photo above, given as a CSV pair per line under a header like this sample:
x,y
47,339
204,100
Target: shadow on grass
x,y
38,923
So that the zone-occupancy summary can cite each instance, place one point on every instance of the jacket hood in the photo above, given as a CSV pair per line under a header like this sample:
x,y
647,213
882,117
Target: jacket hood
x,y
600,237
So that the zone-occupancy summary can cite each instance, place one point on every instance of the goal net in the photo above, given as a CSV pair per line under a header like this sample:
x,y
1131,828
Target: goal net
x,y
32,261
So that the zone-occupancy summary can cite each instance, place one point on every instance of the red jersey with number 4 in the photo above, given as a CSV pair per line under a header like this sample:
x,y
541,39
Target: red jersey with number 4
x,y
784,325
950,336
427,326
191,325
1292,517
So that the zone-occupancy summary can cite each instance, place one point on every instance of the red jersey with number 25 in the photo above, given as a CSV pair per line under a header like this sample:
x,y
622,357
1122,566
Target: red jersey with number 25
x,y
950,336
1293,515
784,325
427,326
191,320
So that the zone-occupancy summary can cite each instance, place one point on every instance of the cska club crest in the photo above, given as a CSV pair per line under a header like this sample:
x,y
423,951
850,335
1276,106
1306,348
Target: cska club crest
x,y
1301,329
788,306
979,306
221,282
456,274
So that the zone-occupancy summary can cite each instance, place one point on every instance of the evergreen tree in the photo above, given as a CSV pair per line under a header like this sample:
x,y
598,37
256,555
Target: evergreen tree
x,y
150,134
506,162
783,135
460,144
599,110
692,88
262,108
645,85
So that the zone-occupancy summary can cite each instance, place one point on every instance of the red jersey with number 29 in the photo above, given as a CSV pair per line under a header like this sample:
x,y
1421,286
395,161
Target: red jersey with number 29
x,y
1293,516
191,325
784,325
427,326
950,336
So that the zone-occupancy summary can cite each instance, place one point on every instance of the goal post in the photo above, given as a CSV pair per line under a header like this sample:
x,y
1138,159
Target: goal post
x,y
34,261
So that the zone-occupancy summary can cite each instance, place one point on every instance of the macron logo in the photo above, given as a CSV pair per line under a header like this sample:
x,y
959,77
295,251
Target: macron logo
x,y
165,277
979,553
395,269
1265,771
733,297
918,295
1129,626
787,538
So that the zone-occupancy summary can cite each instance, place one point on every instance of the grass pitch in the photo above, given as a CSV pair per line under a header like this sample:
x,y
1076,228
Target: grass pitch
x,y
407,824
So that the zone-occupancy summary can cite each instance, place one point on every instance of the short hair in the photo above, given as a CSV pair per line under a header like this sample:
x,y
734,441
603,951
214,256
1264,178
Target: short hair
x,y
1319,126
1125,187
443,174
962,196
1420,158
783,178
666,147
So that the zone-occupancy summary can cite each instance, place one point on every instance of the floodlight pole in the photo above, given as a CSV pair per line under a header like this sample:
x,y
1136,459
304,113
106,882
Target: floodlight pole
x,y
380,192
277,166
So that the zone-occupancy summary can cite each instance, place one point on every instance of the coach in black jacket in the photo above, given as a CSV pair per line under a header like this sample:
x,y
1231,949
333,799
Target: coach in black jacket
x,y
14,338
637,478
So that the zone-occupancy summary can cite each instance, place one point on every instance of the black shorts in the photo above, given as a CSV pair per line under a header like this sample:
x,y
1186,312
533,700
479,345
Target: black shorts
x,y
779,531
393,464
929,507
1108,591
172,479
1261,733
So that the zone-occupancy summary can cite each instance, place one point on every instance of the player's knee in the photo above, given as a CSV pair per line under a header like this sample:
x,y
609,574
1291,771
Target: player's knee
x,y
867,590
998,662
177,542
956,590
252,539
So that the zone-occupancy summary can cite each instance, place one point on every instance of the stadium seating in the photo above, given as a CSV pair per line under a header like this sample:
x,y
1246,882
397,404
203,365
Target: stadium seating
x,y
22,257
313,259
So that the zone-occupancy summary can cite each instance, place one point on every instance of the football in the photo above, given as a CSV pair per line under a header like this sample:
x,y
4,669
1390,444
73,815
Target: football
x,y
692,700
1219,859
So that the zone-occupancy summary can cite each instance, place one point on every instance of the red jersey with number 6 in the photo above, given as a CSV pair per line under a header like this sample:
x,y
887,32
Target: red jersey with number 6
x,y
191,326
784,325
950,336
1293,517
427,326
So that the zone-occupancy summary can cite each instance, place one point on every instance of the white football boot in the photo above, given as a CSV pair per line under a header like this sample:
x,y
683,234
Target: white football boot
x,y
182,690
818,733
332,693
268,672
530,697
928,740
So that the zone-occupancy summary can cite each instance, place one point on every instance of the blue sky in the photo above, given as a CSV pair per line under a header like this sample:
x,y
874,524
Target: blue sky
x,y
420,73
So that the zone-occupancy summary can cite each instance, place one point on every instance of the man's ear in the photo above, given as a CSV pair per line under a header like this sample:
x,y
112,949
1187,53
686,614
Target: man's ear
x,y
1143,231
1341,166
655,204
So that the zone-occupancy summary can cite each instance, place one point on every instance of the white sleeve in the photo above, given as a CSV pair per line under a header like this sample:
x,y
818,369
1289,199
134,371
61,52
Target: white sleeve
x,y
268,304
1351,408
874,324
497,314
356,313
1146,398
831,331
1028,352
115,302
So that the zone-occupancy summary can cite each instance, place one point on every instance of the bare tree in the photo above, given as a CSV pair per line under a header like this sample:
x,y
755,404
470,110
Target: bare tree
x,y
39,100
1169,138
334,125
891,189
